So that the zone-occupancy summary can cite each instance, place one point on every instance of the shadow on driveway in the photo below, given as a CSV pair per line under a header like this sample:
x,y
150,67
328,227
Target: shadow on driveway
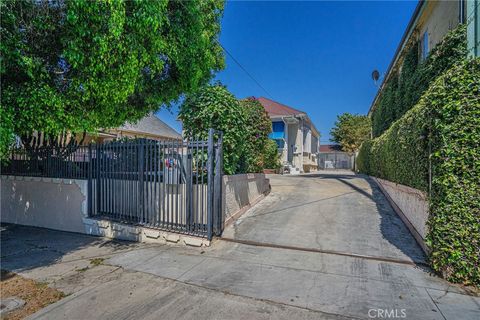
x,y
392,227
25,248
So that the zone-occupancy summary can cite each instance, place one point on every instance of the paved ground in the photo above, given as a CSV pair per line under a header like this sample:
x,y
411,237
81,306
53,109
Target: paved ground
x,y
330,211
238,281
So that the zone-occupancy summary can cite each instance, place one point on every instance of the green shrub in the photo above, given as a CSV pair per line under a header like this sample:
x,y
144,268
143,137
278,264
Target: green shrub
x,y
404,89
245,126
442,131
258,125
400,154
215,107
271,158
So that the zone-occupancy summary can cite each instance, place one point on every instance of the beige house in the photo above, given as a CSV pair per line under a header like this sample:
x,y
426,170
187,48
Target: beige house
x,y
150,127
428,25
295,134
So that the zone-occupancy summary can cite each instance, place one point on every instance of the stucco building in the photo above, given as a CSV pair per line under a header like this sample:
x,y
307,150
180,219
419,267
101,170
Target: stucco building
x,y
295,134
429,24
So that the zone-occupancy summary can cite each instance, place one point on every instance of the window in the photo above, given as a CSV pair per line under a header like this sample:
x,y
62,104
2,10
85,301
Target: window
x,y
424,46
277,130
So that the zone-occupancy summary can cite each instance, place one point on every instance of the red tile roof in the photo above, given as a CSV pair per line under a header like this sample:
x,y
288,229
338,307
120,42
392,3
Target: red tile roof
x,y
330,148
274,108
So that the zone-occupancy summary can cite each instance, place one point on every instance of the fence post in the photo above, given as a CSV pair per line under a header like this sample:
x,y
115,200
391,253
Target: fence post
x,y
189,186
97,177
218,208
140,178
89,185
210,183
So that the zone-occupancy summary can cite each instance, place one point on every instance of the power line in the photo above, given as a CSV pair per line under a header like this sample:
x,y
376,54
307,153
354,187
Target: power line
x,y
245,70
236,61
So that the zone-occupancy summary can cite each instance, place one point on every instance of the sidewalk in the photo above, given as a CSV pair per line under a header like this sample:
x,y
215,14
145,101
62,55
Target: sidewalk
x,y
227,280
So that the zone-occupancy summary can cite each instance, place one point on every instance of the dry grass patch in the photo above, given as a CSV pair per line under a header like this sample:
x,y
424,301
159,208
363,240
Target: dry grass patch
x,y
36,295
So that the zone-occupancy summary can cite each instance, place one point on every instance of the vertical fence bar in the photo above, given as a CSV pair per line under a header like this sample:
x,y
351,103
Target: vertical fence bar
x,y
97,177
167,182
162,190
90,177
188,187
198,173
117,181
146,181
108,179
110,185
201,193
177,180
155,182
140,179
104,180
218,212
210,185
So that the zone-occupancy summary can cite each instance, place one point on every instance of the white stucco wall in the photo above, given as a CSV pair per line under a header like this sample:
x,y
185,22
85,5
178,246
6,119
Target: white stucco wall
x,y
439,17
241,191
59,204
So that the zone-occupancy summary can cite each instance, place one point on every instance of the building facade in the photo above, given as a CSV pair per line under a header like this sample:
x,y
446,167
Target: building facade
x,y
295,134
429,24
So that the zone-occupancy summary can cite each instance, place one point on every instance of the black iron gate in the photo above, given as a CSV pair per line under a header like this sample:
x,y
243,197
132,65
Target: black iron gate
x,y
170,185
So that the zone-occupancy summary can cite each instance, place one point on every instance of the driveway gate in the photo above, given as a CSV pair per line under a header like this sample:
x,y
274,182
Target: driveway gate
x,y
169,185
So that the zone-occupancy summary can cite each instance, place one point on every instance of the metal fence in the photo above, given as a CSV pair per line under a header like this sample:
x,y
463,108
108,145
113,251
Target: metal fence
x,y
335,160
169,185
46,161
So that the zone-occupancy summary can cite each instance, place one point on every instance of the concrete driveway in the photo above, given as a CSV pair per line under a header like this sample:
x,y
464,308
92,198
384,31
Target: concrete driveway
x,y
336,211
339,214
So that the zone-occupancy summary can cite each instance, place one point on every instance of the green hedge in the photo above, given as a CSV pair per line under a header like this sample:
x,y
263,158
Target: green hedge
x,y
443,131
404,89
401,153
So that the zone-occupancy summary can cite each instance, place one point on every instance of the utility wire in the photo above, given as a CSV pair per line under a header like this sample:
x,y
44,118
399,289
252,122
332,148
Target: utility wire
x,y
245,70
236,61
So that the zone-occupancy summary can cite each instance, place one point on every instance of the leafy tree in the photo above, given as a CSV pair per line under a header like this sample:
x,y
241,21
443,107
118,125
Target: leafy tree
x,y
258,126
79,66
350,131
215,107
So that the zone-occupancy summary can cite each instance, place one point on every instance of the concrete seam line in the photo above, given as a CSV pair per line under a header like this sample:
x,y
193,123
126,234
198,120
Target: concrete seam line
x,y
435,304
333,252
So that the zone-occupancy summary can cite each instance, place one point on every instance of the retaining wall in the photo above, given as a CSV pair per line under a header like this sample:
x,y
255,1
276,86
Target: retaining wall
x,y
411,205
61,204
241,192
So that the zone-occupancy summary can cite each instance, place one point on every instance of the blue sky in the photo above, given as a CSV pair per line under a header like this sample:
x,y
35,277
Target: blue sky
x,y
313,56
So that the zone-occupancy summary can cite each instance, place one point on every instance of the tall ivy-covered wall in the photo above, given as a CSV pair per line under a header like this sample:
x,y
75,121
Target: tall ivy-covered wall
x,y
440,138
406,85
